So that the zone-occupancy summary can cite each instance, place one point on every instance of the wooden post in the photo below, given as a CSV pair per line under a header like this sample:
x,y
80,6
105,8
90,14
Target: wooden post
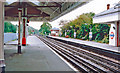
x,y
19,46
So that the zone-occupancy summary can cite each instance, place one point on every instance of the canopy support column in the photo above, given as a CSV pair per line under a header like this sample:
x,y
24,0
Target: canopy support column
x,y
24,30
2,61
19,46
118,34
24,26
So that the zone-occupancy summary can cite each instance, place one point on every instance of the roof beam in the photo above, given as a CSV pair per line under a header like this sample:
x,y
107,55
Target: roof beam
x,y
41,12
51,8
34,6
58,4
30,16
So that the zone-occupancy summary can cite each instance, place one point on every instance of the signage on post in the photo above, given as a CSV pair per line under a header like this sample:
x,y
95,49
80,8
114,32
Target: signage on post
x,y
65,33
90,36
74,34
112,35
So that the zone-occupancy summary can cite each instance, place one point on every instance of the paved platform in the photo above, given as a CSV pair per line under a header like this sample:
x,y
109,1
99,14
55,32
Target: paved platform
x,y
91,43
35,57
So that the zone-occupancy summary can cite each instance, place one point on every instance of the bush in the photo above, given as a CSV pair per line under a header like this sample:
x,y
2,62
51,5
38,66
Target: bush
x,y
106,39
83,24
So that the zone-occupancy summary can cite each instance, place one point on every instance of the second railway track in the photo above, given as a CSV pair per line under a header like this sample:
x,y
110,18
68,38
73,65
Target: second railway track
x,y
84,60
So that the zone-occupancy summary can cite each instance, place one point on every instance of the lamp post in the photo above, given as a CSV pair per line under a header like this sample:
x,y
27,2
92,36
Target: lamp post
x,y
65,33
74,32
90,33
70,31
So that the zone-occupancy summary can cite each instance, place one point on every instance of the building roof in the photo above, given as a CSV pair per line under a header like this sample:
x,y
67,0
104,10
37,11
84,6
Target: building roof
x,y
40,11
115,9
55,28
109,16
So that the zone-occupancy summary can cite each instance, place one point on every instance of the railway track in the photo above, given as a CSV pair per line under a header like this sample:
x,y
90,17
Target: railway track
x,y
84,60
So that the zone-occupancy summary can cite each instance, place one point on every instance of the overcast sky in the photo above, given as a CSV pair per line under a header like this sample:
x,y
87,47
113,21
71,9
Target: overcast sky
x,y
95,6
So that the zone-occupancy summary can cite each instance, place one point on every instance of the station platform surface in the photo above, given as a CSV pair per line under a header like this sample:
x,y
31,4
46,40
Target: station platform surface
x,y
36,56
91,43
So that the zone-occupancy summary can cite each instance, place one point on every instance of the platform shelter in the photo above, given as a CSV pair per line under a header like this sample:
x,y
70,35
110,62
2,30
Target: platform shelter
x,y
111,16
24,11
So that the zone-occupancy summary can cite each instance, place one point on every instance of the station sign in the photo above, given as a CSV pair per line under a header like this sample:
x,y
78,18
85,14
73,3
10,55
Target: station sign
x,y
90,35
74,34
112,35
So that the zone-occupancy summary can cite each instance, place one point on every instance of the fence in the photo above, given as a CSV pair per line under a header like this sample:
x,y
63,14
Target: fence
x,y
10,36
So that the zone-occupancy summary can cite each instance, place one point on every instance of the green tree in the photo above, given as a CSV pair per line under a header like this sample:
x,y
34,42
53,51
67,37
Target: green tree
x,y
31,29
9,27
45,28
82,26
79,25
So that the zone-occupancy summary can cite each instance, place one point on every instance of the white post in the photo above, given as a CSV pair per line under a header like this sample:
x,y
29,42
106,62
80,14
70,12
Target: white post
x,y
74,34
2,64
90,36
65,33
113,35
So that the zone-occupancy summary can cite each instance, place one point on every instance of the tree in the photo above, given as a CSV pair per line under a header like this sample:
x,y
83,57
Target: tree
x,y
9,27
31,29
45,28
82,26
79,25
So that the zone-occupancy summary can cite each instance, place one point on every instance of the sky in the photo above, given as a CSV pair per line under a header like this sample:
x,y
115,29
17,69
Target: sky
x,y
95,6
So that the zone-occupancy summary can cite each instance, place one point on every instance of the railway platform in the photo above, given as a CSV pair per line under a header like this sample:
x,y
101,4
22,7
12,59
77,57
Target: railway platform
x,y
90,43
36,56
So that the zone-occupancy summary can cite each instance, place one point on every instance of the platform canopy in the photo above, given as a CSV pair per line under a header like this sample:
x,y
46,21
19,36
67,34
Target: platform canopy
x,y
108,16
40,10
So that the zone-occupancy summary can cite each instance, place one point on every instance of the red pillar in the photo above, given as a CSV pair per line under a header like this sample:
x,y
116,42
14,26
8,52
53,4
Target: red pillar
x,y
117,33
24,38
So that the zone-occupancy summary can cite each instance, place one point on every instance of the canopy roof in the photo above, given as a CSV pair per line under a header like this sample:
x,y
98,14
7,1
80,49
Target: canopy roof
x,y
55,28
110,11
39,11
109,16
